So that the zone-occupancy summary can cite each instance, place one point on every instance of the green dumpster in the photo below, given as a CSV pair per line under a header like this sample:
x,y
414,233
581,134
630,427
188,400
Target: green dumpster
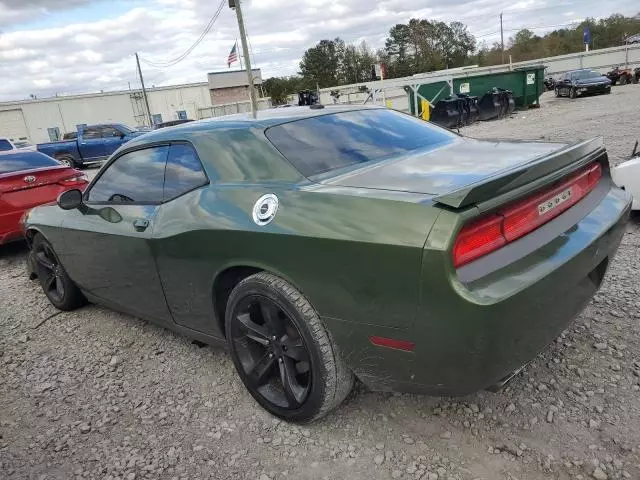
x,y
526,83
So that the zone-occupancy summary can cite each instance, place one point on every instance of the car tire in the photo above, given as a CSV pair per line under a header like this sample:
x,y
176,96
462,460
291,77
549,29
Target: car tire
x,y
283,352
557,90
572,93
623,80
54,280
67,160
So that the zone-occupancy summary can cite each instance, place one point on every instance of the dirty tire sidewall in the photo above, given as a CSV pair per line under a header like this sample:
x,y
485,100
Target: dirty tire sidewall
x,y
73,297
331,379
572,93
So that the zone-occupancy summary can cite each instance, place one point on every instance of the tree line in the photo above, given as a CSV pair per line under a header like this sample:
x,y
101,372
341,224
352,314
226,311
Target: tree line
x,y
421,46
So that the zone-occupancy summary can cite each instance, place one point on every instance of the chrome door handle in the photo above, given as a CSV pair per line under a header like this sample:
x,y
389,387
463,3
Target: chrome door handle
x,y
140,224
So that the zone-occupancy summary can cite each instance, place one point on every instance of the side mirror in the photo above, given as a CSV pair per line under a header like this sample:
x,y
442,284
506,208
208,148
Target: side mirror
x,y
122,135
70,199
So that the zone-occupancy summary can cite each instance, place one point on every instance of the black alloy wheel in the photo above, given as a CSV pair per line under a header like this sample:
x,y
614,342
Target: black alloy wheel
x,y
282,350
50,273
271,351
56,284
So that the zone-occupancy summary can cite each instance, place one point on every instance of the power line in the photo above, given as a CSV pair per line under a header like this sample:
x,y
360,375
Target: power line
x,y
187,52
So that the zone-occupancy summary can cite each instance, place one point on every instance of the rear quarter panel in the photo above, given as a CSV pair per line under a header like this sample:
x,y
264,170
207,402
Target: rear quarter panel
x,y
356,258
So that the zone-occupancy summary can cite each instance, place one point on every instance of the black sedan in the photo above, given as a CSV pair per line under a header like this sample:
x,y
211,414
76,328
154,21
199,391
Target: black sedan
x,y
582,82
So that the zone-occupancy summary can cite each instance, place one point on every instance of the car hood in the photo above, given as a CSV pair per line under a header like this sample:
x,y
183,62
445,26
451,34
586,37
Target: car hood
x,y
461,163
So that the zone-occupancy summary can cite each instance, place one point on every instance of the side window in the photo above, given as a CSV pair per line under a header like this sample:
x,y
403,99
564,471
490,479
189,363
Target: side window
x,y
184,171
134,177
109,132
92,133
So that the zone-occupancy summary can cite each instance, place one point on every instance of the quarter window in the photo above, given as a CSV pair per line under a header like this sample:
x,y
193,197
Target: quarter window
x,y
136,176
184,171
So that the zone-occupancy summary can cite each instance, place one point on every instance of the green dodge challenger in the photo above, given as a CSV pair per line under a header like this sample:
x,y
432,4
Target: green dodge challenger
x,y
324,244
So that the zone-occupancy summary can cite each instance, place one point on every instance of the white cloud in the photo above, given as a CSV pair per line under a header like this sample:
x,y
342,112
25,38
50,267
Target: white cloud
x,y
82,56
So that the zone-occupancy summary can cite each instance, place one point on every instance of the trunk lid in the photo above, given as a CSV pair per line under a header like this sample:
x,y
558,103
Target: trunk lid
x,y
29,188
470,171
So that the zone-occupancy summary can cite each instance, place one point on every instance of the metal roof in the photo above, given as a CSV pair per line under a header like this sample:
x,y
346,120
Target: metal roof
x,y
264,119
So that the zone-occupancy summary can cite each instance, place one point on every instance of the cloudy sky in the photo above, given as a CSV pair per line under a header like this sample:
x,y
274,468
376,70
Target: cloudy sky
x,y
80,46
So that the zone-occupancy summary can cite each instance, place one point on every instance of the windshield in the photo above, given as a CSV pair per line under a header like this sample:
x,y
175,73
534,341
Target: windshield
x,y
582,75
5,145
25,160
320,144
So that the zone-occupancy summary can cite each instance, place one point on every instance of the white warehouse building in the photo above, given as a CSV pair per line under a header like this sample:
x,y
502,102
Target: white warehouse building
x,y
48,119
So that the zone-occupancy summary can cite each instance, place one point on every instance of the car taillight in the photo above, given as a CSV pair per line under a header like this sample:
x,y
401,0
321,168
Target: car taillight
x,y
478,239
78,179
488,234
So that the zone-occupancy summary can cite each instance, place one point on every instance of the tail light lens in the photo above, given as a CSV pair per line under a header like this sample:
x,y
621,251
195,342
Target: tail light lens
x,y
516,220
77,179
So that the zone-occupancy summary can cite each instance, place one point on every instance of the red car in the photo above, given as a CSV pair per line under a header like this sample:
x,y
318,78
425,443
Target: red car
x,y
27,179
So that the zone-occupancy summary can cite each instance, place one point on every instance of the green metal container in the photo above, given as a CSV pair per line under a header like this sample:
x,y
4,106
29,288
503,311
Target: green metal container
x,y
527,84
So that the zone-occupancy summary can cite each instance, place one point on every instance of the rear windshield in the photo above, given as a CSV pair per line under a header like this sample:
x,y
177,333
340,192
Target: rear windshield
x,y
320,144
15,162
5,145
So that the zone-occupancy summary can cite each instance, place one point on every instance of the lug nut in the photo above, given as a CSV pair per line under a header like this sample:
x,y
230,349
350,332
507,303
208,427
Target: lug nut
x,y
271,355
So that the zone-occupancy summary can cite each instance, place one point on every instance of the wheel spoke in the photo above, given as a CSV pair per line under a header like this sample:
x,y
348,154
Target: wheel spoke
x,y
49,281
270,316
42,260
255,332
292,389
295,350
259,372
59,287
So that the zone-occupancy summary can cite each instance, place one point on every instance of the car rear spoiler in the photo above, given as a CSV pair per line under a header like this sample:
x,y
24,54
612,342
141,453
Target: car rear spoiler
x,y
551,167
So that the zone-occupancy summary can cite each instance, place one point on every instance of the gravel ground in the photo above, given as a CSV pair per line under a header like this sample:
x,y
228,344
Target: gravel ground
x,y
97,394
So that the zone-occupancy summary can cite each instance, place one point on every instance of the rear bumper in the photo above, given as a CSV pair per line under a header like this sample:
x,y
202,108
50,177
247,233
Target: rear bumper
x,y
10,230
470,335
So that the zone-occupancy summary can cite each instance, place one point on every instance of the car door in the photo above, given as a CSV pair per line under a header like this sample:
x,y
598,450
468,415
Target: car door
x,y
185,278
90,144
107,251
111,139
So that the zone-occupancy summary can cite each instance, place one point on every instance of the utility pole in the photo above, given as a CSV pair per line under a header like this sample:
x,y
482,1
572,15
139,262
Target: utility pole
x,y
247,60
502,38
144,91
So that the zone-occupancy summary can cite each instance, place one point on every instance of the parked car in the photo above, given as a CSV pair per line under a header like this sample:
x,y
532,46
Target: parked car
x,y
623,76
92,144
171,123
322,243
627,176
549,83
582,82
28,179
6,145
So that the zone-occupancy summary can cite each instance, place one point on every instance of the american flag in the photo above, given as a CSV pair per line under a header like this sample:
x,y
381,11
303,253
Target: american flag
x,y
233,55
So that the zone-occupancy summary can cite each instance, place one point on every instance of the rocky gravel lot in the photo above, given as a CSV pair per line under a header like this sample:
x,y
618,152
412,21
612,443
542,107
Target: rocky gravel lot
x,y
99,395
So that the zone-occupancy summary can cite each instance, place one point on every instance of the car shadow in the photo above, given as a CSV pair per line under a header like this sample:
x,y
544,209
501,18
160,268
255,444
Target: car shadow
x,y
13,249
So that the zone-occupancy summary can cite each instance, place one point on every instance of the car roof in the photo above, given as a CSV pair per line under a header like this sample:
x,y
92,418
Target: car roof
x,y
264,119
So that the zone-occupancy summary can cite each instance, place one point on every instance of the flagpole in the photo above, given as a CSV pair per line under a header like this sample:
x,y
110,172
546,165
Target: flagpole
x,y
239,54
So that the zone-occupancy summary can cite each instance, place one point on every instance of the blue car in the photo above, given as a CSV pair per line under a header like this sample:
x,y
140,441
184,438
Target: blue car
x,y
92,144
582,82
